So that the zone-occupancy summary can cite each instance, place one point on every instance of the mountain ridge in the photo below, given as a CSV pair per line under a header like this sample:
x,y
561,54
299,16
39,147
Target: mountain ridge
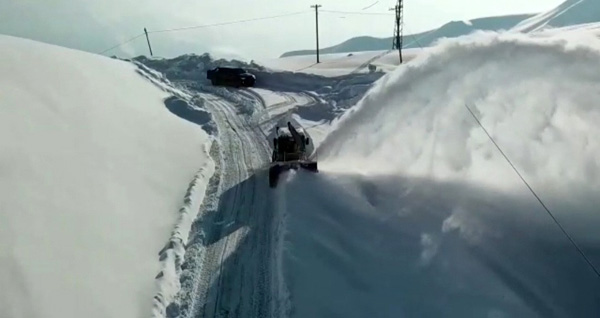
x,y
450,29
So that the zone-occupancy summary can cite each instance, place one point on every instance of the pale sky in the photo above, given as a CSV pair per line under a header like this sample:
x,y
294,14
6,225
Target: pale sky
x,y
97,25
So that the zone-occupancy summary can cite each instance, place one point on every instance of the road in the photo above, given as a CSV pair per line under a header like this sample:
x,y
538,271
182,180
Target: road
x,y
232,266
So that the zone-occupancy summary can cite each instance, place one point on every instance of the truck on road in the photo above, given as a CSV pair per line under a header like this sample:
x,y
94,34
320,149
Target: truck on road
x,y
231,76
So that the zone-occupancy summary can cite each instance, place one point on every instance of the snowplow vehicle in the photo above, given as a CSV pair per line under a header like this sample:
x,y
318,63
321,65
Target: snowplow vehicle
x,y
231,76
290,151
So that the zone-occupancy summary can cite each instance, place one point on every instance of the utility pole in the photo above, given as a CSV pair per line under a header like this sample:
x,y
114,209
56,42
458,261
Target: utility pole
x,y
398,28
148,39
317,6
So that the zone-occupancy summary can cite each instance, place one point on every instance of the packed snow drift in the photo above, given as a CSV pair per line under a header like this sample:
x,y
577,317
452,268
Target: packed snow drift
x,y
93,171
415,212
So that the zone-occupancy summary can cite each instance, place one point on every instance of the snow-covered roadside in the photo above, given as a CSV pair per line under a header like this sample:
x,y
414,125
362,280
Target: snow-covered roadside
x,y
173,254
93,170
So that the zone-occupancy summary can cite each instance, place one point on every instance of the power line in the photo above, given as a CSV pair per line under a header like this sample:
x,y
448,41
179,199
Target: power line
x,y
412,35
416,40
369,6
203,26
122,43
536,196
357,12
230,22
423,34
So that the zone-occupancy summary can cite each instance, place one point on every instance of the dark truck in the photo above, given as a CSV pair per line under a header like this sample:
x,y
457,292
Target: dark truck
x,y
231,76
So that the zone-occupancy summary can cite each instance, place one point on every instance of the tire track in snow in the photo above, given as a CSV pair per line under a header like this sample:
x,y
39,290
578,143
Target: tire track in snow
x,y
261,239
271,114
242,172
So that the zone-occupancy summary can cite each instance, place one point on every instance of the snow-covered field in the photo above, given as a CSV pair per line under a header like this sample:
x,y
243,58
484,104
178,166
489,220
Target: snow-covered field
x,y
93,171
342,63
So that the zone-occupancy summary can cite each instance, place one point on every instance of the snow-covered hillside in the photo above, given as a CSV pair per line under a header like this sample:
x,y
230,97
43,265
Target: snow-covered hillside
x,y
415,213
93,171
569,13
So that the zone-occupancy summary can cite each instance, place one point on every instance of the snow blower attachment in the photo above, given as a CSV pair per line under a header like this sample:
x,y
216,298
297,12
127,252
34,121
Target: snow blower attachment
x,y
289,152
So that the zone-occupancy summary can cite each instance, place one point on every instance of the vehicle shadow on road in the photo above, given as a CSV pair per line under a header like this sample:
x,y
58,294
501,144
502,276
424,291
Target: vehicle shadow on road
x,y
235,234
234,211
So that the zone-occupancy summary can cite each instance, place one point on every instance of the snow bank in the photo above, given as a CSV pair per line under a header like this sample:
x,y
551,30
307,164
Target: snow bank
x,y
93,170
415,213
173,254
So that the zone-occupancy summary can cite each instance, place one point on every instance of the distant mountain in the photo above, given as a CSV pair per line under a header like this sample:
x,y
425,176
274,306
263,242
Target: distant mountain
x,y
451,29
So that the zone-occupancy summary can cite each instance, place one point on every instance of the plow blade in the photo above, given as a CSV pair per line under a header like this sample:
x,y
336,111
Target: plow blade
x,y
276,169
310,166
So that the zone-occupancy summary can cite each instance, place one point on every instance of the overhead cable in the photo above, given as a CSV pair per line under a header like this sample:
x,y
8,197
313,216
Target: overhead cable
x,y
587,260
